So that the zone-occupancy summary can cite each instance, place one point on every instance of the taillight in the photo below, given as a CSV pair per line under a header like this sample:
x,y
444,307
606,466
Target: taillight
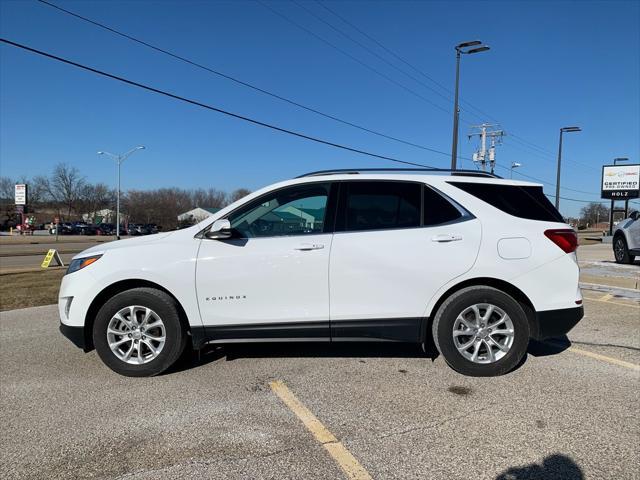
x,y
565,238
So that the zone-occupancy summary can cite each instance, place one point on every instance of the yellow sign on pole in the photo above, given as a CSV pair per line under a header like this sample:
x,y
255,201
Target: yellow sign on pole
x,y
52,254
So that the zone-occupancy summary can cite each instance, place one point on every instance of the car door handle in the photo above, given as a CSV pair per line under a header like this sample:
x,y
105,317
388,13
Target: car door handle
x,y
447,237
309,246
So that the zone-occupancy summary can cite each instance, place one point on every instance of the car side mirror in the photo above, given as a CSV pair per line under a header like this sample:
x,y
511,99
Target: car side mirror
x,y
220,229
634,215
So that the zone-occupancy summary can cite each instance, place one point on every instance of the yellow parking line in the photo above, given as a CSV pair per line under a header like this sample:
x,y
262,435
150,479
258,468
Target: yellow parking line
x,y
336,449
604,358
609,301
606,298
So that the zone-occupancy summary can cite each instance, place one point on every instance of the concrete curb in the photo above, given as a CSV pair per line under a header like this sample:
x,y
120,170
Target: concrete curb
x,y
631,293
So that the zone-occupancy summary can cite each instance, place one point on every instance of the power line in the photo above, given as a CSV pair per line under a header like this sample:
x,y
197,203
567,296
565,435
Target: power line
x,y
287,100
243,83
352,57
547,157
231,114
367,49
421,72
209,107
576,200
401,59
544,181
521,147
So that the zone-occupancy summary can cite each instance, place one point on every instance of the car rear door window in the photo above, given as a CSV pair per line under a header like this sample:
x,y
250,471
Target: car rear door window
x,y
437,209
380,205
520,201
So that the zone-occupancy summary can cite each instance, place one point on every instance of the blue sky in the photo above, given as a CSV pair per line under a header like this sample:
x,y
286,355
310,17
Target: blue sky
x,y
551,64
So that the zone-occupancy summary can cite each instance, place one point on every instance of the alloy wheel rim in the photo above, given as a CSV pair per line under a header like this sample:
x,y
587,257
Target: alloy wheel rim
x,y
136,335
483,333
619,249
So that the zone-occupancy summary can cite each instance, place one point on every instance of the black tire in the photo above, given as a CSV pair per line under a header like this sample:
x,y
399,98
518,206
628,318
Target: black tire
x,y
175,332
621,250
445,318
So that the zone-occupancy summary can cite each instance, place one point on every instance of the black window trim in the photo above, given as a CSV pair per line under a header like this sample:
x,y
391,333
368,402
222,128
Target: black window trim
x,y
336,198
559,219
330,210
465,215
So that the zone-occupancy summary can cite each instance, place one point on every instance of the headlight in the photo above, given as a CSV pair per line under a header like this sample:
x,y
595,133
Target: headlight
x,y
79,263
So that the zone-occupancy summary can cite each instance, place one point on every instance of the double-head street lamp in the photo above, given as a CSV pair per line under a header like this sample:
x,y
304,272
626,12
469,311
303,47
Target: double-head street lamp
x,y
119,160
466,48
562,130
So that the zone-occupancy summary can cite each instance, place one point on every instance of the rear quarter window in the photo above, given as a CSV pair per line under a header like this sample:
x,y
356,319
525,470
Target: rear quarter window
x,y
519,201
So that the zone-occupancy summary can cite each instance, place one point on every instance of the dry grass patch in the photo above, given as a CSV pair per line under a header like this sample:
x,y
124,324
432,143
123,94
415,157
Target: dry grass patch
x,y
30,289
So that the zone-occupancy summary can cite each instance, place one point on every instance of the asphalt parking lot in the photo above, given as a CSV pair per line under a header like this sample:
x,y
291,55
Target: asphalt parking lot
x,y
321,411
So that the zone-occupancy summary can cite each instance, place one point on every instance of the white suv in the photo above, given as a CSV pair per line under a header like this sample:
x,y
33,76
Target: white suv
x,y
476,264
626,239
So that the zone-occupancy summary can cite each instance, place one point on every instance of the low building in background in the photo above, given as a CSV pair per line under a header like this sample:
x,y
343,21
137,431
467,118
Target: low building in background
x,y
105,215
196,215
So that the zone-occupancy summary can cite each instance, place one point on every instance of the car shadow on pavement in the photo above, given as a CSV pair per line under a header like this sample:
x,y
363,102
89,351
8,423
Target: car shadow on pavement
x,y
551,346
323,350
553,467
233,351
229,352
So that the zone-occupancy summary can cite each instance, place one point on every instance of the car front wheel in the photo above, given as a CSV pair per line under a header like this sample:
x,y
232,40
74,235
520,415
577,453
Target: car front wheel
x,y
138,332
481,331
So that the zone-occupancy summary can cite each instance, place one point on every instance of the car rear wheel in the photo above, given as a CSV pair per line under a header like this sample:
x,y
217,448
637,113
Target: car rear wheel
x,y
138,333
481,331
621,251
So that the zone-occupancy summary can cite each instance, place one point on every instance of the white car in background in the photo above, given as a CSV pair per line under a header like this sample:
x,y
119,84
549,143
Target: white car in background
x,y
626,239
474,263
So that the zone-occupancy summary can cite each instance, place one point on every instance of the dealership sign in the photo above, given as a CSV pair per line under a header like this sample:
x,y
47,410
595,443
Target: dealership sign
x,y
620,181
21,194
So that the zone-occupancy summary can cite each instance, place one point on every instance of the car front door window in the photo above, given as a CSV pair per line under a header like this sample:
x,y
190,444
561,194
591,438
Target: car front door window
x,y
298,210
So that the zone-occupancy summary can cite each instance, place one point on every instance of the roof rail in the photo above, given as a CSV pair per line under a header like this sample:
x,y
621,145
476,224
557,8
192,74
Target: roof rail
x,y
355,171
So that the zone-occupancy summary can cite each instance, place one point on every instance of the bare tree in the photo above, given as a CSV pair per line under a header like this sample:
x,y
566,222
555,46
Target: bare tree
x,y
593,213
210,198
95,197
7,186
238,194
38,190
160,206
66,185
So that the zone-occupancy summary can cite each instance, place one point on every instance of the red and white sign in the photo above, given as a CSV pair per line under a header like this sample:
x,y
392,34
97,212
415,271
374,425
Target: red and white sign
x,y
21,194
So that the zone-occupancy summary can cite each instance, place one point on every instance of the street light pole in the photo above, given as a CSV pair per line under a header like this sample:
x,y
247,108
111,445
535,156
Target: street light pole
x,y
462,48
514,165
456,111
562,130
119,160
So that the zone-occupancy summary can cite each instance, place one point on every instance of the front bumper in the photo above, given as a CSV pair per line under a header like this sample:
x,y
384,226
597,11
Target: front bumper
x,y
75,334
555,323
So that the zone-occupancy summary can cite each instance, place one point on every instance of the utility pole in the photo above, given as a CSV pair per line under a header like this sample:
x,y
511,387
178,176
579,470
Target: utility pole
x,y
485,131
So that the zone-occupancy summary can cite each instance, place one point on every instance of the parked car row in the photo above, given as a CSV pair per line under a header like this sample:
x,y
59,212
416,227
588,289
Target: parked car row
x,y
82,228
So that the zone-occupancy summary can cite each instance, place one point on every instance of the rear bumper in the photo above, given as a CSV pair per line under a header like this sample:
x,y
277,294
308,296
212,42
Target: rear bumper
x,y
75,334
555,323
